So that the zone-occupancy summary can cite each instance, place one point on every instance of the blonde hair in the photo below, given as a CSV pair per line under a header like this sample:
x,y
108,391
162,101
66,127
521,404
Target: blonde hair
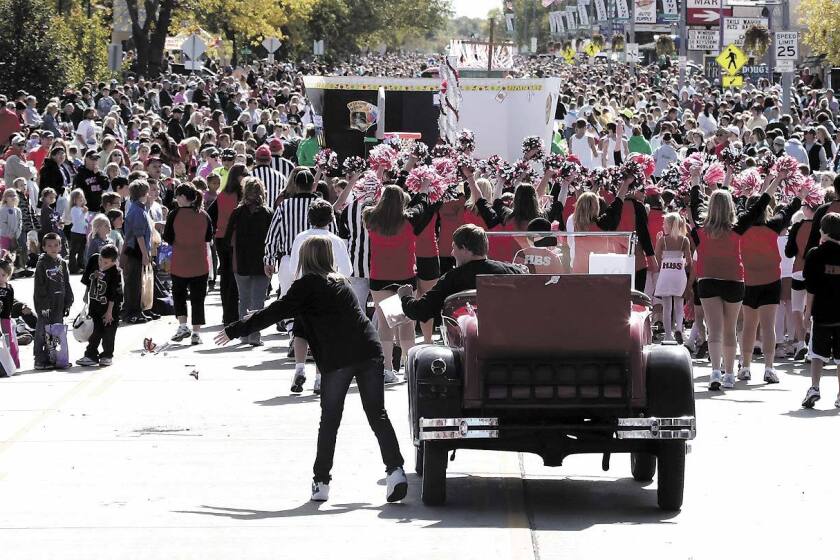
x,y
253,191
101,221
720,215
316,257
76,195
586,213
486,190
673,224
8,194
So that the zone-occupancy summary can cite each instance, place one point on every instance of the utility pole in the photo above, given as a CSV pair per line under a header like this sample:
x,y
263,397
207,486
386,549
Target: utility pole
x,y
683,53
787,77
490,46
632,32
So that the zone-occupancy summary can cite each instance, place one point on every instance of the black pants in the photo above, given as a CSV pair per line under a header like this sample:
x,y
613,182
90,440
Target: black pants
x,y
227,284
78,242
641,280
132,283
197,288
334,385
106,334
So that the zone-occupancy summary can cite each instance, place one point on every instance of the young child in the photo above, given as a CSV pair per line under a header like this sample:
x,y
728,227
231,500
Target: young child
x,y
100,230
822,281
673,251
111,201
104,296
78,231
53,296
10,221
50,218
116,237
7,304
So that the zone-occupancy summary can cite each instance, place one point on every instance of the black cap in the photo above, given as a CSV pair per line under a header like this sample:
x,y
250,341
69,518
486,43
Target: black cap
x,y
228,153
91,154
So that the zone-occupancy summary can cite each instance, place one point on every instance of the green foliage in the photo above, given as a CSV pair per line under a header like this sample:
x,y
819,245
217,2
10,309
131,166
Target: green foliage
x,y
757,40
35,49
665,45
531,21
821,20
90,39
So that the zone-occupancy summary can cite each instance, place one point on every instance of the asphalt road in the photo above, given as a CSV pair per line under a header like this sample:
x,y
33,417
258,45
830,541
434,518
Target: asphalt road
x,y
142,460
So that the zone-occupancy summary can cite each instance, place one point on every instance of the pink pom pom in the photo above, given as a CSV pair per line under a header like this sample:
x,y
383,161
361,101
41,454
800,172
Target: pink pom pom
x,y
368,187
747,183
714,174
425,179
354,164
786,164
688,165
646,162
326,160
816,194
382,157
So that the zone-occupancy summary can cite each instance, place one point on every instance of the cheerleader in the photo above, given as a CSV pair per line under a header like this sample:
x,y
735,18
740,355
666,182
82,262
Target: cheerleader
x,y
762,277
588,216
634,218
392,225
797,241
7,302
673,252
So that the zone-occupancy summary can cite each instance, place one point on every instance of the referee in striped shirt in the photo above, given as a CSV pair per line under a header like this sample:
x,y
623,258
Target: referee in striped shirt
x,y
274,182
278,162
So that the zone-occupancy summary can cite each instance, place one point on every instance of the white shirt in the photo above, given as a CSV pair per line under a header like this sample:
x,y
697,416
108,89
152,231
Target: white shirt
x,y
339,247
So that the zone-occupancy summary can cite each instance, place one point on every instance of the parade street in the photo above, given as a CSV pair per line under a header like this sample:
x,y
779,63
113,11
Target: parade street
x,y
144,460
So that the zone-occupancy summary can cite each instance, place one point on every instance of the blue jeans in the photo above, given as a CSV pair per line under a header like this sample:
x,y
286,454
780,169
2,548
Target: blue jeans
x,y
334,385
251,298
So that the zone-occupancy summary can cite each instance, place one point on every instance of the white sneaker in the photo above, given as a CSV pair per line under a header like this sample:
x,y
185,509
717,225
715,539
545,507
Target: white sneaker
x,y
397,485
195,339
390,376
770,376
182,333
84,361
714,381
811,397
317,387
320,492
744,374
728,381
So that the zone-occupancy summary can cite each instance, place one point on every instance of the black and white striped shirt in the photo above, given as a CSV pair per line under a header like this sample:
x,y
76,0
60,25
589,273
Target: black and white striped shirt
x,y
352,228
274,182
282,165
290,218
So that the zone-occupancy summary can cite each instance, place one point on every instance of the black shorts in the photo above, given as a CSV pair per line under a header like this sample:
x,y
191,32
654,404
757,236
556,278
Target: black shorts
x,y
825,343
765,294
695,290
446,264
730,291
391,285
428,268
797,284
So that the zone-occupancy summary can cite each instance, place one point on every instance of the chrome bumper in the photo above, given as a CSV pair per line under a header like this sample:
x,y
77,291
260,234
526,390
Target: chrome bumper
x,y
458,428
684,427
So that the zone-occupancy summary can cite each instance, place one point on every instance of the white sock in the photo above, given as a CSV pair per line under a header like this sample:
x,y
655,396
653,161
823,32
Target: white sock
x,y
300,368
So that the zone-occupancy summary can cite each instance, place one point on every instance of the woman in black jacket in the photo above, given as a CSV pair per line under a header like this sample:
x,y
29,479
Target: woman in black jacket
x,y
246,232
345,345
54,174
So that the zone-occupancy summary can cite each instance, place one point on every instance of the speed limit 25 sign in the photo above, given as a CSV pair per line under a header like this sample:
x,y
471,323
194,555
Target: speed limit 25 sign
x,y
787,45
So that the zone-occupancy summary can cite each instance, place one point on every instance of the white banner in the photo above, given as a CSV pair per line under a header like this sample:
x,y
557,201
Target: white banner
x,y
601,10
734,29
555,23
645,11
582,13
703,40
571,19
621,10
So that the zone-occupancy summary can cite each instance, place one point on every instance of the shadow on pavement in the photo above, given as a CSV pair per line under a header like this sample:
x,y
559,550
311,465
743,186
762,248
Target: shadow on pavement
x,y
308,396
554,505
812,413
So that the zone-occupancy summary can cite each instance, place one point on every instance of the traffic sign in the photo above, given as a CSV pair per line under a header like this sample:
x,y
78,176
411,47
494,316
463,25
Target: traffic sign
x,y
631,51
271,44
733,81
569,55
784,65
591,49
734,28
703,40
705,16
193,46
787,45
731,59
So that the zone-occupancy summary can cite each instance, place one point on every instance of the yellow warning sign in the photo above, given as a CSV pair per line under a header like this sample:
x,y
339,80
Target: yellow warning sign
x,y
569,55
732,59
591,49
733,81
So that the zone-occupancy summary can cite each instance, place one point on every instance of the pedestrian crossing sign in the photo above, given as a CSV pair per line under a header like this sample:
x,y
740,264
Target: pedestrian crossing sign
x,y
569,55
733,81
732,59
592,49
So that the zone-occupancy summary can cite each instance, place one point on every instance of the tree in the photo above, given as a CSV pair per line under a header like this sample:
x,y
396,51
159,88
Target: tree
x,y
149,35
531,21
821,20
34,49
90,39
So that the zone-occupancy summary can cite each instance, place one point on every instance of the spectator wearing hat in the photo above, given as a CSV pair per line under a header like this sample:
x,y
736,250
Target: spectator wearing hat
x,y
91,181
39,153
9,122
272,179
228,157
16,164
278,162
174,127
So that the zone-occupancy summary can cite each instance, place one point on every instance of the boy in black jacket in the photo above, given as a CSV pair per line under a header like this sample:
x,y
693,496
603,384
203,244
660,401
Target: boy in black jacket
x,y
104,296
53,296
822,280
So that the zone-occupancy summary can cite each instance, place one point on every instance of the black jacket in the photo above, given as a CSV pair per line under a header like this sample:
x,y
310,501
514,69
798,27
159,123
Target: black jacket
x,y
93,184
246,232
